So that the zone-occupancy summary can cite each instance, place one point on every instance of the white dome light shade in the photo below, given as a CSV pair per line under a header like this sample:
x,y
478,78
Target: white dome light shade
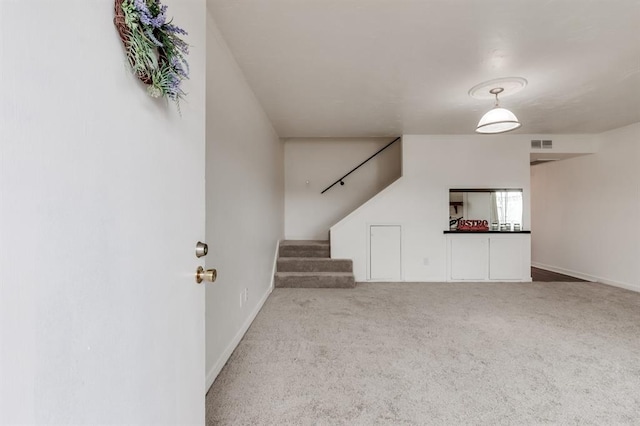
x,y
498,120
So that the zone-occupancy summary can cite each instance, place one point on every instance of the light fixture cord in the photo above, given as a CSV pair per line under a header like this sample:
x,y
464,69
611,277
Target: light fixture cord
x,y
497,102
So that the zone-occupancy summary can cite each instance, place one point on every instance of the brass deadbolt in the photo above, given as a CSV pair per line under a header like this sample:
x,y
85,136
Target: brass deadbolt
x,y
201,249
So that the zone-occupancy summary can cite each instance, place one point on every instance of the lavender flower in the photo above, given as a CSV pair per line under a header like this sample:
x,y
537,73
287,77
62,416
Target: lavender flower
x,y
156,49
144,19
174,84
181,45
160,19
170,28
141,7
179,66
146,15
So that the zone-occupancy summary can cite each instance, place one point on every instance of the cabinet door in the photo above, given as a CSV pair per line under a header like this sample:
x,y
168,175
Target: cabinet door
x,y
505,258
384,253
469,258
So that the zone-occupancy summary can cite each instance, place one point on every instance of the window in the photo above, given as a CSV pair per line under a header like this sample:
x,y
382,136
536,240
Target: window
x,y
507,207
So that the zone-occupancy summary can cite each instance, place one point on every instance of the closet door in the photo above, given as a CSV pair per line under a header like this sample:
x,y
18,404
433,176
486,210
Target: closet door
x,y
385,253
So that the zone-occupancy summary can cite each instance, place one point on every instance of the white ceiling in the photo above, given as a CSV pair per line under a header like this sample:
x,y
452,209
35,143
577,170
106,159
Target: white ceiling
x,y
324,68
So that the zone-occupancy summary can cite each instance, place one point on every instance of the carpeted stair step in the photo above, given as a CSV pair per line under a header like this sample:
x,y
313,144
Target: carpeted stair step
x,y
304,248
314,280
314,264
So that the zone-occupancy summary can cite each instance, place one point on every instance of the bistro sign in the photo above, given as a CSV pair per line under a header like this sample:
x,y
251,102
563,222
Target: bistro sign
x,y
473,225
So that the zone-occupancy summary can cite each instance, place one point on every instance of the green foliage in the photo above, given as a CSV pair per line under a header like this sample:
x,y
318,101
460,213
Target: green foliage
x,y
154,49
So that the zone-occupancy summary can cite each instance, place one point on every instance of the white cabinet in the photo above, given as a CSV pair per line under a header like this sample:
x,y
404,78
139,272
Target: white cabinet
x,y
469,258
488,257
385,253
505,258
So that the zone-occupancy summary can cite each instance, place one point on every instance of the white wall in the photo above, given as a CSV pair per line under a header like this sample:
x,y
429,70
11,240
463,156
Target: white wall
x,y
586,212
245,202
96,273
321,161
419,200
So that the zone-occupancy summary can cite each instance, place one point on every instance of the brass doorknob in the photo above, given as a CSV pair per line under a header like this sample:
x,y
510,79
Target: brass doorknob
x,y
209,275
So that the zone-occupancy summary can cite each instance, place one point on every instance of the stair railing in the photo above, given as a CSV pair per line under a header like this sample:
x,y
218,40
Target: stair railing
x,y
341,182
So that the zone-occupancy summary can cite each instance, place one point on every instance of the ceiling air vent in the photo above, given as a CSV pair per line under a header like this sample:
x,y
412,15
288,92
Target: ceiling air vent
x,y
536,144
548,144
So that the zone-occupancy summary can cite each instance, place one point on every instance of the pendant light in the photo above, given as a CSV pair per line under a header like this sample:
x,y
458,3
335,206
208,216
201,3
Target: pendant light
x,y
497,120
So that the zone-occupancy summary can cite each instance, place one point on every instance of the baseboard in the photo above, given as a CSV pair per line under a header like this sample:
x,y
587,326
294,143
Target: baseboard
x,y
275,267
587,277
222,360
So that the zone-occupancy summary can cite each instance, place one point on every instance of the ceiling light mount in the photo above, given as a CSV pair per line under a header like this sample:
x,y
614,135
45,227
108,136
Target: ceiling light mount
x,y
509,86
496,91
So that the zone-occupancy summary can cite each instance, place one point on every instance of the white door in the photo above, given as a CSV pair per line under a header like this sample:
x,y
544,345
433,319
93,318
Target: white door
x,y
101,205
385,253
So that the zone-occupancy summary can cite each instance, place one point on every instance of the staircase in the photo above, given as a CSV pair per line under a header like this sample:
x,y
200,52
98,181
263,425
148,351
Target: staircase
x,y
307,264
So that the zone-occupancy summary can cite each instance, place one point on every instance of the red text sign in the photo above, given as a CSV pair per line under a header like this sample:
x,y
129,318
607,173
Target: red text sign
x,y
473,225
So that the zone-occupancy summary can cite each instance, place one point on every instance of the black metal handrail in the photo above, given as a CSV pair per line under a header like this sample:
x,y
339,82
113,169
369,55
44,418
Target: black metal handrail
x,y
340,181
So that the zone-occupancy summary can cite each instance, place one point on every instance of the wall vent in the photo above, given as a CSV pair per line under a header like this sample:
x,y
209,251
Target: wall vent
x,y
548,144
536,144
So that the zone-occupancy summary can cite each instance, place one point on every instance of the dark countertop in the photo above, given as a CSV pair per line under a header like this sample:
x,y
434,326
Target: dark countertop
x,y
486,232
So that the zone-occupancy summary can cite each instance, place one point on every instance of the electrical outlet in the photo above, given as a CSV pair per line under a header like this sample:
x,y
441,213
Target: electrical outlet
x,y
425,261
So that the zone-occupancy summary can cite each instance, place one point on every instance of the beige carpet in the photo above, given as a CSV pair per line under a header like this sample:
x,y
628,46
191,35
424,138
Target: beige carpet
x,y
441,354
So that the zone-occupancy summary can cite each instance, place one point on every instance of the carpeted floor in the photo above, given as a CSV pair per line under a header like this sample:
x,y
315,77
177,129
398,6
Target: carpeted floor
x,y
437,354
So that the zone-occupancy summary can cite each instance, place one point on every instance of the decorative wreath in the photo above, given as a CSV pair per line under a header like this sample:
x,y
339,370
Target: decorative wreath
x,y
154,49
